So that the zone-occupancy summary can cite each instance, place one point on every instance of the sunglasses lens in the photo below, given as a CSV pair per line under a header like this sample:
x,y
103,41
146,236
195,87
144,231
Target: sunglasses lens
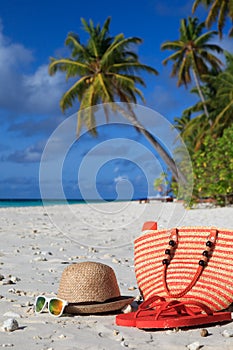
x,y
56,307
40,302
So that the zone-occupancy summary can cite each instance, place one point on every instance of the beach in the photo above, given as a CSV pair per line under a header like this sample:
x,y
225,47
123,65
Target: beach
x,y
38,243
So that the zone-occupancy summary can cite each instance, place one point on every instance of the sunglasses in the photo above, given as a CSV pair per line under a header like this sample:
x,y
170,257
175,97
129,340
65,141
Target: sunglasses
x,y
56,306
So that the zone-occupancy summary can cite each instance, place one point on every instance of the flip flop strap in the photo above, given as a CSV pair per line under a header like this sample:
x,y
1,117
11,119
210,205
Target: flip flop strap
x,y
170,252
182,306
148,306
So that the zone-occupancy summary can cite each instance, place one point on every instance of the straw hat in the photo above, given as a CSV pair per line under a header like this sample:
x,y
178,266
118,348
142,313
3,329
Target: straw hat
x,y
91,287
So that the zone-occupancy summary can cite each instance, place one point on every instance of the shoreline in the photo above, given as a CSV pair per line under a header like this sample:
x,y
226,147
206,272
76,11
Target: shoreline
x,y
37,243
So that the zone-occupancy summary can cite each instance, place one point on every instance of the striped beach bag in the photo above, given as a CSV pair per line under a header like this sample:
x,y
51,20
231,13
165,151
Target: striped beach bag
x,y
186,264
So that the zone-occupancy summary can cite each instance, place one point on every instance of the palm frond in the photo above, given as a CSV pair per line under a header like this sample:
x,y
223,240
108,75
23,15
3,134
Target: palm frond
x,y
104,87
228,107
205,37
73,42
195,5
173,57
231,32
105,29
67,65
137,66
106,68
176,66
213,14
184,73
87,110
120,45
72,94
172,45
222,17
230,5
86,26
212,47
125,79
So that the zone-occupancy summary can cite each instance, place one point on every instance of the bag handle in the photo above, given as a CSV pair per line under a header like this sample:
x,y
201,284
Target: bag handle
x,y
170,252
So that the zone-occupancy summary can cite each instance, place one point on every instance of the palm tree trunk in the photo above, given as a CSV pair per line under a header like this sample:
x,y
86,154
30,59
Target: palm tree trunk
x,y
201,96
165,156
177,174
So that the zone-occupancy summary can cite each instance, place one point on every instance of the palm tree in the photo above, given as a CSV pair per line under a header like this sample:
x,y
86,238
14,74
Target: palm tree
x,y
223,101
193,124
182,122
218,92
105,71
218,10
192,54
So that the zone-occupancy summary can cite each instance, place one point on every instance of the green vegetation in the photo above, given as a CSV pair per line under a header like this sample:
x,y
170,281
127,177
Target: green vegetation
x,y
106,69
213,169
219,10
206,127
209,140
192,54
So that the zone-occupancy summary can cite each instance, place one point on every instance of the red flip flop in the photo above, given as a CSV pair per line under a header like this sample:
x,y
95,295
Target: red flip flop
x,y
178,314
146,308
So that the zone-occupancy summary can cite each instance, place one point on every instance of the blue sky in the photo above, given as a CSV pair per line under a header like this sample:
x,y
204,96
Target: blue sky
x,y
33,31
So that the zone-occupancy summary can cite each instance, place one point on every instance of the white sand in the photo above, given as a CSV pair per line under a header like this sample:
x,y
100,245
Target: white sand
x,y
36,243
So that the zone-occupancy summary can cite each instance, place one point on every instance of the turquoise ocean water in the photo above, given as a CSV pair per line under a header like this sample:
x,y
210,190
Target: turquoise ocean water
x,y
6,203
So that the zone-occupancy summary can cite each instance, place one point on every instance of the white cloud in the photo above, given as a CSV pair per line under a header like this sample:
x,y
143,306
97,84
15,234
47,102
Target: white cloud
x,y
12,54
21,92
43,91
31,154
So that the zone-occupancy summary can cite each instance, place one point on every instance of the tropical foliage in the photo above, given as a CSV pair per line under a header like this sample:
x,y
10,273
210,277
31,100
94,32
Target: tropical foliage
x,y
210,146
105,71
193,53
219,10
213,169
207,126
222,102
218,89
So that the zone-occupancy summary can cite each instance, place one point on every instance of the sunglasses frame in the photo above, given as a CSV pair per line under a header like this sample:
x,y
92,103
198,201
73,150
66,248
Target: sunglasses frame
x,y
47,301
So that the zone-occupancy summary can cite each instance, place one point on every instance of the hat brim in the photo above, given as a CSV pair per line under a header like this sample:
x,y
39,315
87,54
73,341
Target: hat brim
x,y
94,308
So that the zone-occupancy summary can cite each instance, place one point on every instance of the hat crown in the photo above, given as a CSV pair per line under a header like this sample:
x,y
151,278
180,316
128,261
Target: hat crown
x,y
88,282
